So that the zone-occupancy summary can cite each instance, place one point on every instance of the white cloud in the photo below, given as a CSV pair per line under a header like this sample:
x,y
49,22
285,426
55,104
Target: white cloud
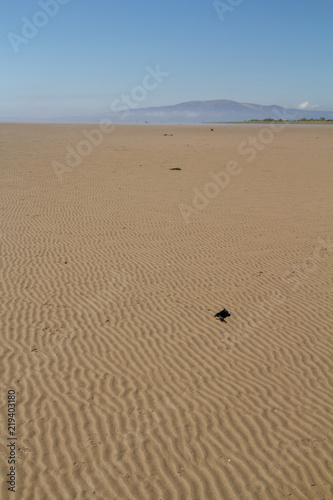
x,y
306,105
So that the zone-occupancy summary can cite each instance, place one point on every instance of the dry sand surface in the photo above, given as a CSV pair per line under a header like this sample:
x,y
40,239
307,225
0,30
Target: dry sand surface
x,y
126,385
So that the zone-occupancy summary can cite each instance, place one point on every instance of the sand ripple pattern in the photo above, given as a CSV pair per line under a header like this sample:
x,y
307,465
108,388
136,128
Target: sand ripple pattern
x,y
127,386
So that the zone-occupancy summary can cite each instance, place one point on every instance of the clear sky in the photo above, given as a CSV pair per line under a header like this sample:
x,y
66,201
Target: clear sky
x,y
88,53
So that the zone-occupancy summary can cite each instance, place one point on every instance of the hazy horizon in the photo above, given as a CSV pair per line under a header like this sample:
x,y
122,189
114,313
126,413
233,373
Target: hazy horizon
x,y
63,58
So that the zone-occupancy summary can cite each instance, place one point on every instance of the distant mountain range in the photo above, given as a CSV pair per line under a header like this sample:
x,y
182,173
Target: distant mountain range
x,y
203,111
194,112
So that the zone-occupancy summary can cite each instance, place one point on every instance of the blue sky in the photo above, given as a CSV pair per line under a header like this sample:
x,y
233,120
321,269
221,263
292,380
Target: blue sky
x,y
93,51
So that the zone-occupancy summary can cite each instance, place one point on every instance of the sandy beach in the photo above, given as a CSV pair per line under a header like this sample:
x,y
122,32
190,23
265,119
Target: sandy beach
x,y
118,247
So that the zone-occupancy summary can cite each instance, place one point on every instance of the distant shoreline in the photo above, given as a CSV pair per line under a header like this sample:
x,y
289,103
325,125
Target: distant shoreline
x,y
303,121
173,124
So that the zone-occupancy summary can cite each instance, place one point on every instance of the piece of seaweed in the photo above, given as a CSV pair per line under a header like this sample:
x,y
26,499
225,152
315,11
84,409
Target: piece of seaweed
x,y
222,315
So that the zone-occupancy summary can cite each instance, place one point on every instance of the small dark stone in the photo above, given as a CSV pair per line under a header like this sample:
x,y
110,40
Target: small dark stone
x,y
176,168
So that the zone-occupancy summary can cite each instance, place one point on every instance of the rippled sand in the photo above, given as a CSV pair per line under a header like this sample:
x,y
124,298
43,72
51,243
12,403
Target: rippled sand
x,y
113,266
